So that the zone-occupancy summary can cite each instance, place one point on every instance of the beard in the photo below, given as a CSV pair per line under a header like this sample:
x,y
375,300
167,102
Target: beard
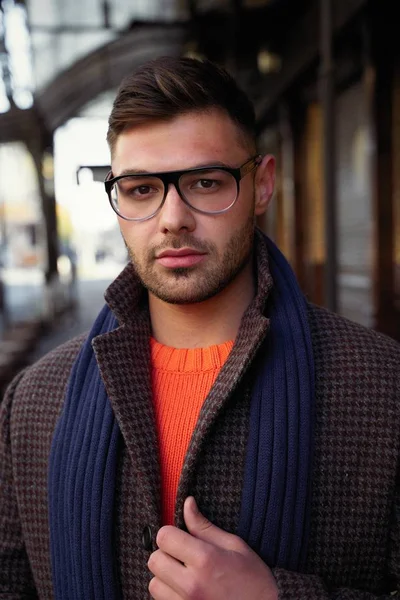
x,y
189,285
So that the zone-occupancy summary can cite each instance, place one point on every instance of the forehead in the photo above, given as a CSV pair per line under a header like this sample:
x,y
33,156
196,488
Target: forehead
x,y
188,140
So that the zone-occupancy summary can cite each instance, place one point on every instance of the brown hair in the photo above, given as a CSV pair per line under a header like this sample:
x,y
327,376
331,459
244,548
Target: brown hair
x,y
167,87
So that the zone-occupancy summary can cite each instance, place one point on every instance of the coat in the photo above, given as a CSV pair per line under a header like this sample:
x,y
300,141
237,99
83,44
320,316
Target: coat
x,y
354,545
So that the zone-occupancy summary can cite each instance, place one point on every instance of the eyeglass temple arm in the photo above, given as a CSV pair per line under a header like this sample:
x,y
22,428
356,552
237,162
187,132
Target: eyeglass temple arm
x,y
250,165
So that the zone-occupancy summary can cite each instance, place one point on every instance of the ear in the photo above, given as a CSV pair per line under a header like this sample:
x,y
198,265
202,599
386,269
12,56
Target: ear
x,y
264,184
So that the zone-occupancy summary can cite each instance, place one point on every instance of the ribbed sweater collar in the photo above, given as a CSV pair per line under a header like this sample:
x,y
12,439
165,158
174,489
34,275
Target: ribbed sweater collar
x,y
189,360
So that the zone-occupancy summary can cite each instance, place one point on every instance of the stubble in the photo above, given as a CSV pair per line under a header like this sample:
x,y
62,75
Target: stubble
x,y
198,283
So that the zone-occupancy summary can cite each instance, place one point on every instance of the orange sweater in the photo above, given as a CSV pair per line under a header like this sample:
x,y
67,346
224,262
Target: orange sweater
x,y
181,380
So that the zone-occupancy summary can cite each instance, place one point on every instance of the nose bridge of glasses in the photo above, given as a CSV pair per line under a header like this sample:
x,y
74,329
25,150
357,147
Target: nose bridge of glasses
x,y
169,179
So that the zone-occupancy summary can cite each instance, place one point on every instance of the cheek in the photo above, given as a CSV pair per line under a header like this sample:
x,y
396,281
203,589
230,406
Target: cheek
x,y
135,235
125,232
238,218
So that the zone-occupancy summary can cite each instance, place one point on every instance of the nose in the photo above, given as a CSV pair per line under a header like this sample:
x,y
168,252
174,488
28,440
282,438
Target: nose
x,y
175,215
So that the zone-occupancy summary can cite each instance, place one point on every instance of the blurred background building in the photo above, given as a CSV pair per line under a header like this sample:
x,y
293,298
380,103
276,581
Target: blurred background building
x,y
325,79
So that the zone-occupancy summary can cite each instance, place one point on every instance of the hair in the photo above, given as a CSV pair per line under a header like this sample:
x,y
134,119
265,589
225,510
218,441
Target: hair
x,y
167,87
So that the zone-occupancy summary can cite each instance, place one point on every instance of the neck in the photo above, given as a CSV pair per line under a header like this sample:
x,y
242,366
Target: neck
x,y
203,324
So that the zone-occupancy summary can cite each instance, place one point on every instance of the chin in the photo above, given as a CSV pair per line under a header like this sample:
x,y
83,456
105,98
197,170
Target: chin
x,y
183,298
187,296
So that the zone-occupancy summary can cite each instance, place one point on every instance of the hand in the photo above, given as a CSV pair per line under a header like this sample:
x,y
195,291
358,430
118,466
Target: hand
x,y
207,564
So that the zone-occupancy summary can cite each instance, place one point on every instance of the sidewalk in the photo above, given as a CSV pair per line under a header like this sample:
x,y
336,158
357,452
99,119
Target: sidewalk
x,y
27,338
90,299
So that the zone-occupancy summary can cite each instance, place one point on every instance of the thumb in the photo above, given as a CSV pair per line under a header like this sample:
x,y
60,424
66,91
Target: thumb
x,y
200,527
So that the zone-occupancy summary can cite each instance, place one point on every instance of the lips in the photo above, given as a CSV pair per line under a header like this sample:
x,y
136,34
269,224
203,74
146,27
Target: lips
x,y
179,258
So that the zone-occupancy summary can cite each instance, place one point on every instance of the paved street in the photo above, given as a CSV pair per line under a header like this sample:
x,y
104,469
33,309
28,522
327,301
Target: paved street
x,y
90,301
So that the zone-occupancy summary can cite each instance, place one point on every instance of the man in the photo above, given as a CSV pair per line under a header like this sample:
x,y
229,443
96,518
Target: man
x,y
214,436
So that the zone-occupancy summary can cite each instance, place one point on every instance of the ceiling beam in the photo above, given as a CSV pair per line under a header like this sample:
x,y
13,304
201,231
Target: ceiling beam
x,y
104,69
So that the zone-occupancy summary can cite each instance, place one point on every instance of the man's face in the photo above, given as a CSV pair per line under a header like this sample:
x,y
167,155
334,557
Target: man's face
x,y
180,255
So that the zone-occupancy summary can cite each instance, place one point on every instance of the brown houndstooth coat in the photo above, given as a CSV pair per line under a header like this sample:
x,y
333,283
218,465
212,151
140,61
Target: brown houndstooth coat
x,y
354,549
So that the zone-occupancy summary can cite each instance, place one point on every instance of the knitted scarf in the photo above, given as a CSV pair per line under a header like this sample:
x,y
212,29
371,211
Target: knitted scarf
x,y
274,517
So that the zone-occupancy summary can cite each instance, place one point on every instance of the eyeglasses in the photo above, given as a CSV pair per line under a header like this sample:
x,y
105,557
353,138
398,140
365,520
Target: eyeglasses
x,y
209,190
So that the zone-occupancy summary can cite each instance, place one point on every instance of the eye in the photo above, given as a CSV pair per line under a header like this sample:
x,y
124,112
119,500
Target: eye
x,y
205,184
138,190
142,190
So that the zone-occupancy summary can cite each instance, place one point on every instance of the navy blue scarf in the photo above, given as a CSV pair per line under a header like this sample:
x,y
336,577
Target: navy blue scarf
x,y
274,518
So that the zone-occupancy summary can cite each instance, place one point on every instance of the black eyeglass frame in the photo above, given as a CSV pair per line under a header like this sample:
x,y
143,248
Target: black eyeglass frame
x,y
168,177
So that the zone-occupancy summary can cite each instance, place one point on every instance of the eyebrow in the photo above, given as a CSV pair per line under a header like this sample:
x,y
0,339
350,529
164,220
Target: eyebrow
x,y
217,163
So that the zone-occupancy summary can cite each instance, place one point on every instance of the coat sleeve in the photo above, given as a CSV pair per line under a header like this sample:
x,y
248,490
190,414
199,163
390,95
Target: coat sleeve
x,y
16,580
298,586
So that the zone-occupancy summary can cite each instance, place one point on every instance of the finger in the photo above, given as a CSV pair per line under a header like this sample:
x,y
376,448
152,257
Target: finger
x,y
181,545
168,570
161,591
201,528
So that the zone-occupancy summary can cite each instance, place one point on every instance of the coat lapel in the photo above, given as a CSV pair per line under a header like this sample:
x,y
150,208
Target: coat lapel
x,y
123,356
